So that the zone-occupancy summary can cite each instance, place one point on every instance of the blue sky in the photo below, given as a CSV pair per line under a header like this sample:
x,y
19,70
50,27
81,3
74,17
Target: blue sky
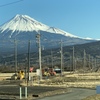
x,y
78,17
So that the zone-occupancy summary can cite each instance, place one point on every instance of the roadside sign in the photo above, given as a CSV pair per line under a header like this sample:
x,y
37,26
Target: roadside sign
x,y
38,72
98,90
31,69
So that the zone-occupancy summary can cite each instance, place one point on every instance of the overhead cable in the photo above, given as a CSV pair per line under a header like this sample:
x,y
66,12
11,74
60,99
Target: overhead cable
x,y
7,4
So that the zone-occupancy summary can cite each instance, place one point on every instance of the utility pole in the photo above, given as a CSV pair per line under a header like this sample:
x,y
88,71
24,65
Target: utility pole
x,y
73,61
84,62
52,58
89,63
75,64
95,62
15,42
28,61
92,62
61,58
70,64
39,46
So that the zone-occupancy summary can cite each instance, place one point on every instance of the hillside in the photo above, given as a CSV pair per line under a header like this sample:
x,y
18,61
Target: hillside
x,y
51,58
92,49
23,28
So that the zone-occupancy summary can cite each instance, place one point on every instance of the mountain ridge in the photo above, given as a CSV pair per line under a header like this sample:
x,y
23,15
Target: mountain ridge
x,y
26,23
24,28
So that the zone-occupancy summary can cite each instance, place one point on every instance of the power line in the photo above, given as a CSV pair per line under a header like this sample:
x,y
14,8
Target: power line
x,y
7,4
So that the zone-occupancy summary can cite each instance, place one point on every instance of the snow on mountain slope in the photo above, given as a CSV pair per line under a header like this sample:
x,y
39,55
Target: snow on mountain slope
x,y
56,30
24,23
23,28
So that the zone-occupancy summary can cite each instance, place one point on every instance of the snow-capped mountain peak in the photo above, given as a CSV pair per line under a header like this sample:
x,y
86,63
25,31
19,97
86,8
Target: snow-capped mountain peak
x,y
23,23
23,28
28,24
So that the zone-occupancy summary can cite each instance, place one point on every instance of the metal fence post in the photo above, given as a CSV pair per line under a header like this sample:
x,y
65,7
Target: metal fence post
x,y
20,92
25,92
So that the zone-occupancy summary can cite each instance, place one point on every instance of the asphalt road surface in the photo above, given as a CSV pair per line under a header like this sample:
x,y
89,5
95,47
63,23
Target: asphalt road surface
x,y
12,91
76,94
9,90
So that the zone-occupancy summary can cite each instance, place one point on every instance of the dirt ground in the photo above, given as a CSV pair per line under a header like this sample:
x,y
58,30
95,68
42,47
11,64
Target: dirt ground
x,y
94,97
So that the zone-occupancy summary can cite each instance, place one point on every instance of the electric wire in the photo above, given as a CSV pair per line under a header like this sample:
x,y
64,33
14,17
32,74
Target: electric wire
x,y
7,4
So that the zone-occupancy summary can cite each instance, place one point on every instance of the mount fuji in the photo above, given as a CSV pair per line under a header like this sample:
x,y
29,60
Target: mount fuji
x,y
24,28
24,23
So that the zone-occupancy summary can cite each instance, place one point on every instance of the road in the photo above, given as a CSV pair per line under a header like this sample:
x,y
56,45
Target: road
x,y
12,91
77,94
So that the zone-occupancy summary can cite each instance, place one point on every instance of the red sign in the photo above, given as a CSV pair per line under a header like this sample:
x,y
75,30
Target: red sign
x,y
31,69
